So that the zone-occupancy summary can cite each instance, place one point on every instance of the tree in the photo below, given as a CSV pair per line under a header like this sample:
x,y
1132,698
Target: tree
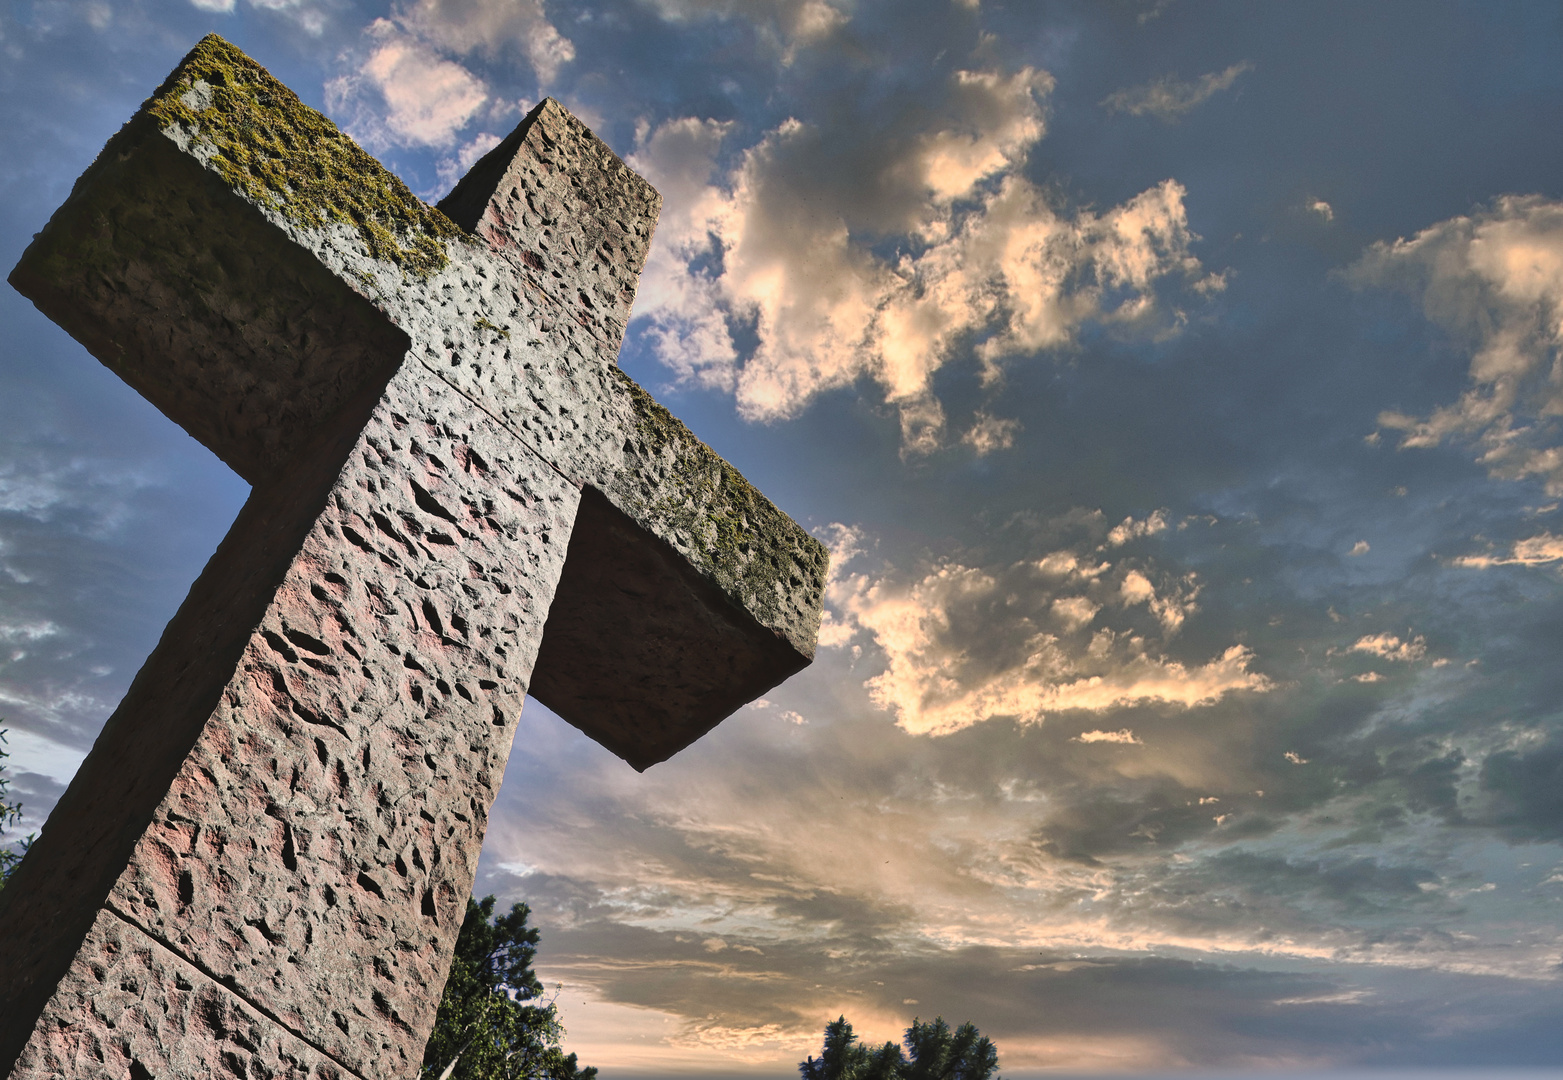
x,y
10,814
492,1023
933,1052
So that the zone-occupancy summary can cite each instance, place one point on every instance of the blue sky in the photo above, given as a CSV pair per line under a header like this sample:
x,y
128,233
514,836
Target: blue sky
x,y
1178,388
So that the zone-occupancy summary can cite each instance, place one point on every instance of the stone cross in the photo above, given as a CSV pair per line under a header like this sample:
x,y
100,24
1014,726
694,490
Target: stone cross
x,y
261,867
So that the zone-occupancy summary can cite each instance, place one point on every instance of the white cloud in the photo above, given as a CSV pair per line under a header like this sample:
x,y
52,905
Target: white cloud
x,y
1532,551
1123,736
787,24
309,17
405,94
989,433
429,99
221,7
1130,529
987,259
452,169
1361,547
1323,209
1171,609
1390,647
467,26
1494,281
963,644
689,324
1075,611
1168,98
411,88
97,492
36,630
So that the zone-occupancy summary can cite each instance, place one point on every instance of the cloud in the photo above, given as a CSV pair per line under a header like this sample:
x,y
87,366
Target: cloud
x,y
1361,547
1075,611
490,26
411,89
1538,550
964,644
453,168
1123,736
1390,647
787,25
1493,280
1130,529
1322,208
404,94
794,242
1526,798
990,433
1168,99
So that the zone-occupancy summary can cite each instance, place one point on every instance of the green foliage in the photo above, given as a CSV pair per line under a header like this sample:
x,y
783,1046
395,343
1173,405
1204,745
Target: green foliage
x,y
933,1052
10,814
492,1022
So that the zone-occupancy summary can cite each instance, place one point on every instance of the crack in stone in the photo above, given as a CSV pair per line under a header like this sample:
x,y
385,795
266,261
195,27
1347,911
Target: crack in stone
x,y
234,990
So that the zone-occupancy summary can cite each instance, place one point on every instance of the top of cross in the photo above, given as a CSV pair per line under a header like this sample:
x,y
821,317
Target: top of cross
x,y
252,271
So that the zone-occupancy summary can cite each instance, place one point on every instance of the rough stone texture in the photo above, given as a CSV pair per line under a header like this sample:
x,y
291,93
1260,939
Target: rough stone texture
x,y
453,483
315,845
316,849
152,1014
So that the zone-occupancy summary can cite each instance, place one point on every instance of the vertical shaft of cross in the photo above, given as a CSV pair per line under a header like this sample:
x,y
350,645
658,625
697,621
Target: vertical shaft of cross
x,y
310,858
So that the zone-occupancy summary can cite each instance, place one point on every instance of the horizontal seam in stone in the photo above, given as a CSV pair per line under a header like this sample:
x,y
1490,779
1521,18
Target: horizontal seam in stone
x,y
513,433
220,981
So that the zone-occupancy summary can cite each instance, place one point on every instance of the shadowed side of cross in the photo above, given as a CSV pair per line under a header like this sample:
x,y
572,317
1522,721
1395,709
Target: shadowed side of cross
x,y
261,866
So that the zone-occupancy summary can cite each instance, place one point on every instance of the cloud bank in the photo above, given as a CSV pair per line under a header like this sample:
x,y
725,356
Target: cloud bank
x,y
1073,630
885,252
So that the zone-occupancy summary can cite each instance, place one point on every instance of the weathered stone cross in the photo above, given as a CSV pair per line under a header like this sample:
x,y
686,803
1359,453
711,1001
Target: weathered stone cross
x,y
261,867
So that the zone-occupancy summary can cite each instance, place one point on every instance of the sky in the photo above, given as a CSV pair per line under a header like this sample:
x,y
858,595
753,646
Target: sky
x,y
1179,389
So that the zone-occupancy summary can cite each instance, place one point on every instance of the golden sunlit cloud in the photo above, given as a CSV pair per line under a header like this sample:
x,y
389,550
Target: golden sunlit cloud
x,y
1537,550
963,644
989,258
1495,280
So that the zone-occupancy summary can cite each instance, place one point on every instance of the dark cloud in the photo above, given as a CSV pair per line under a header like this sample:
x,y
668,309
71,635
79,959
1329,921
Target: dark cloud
x,y
1526,789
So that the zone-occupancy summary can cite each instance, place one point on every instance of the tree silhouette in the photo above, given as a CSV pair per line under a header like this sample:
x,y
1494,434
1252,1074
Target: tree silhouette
x,y
10,814
933,1052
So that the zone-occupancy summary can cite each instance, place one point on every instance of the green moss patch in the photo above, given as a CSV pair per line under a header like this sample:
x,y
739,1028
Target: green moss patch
x,y
751,548
286,156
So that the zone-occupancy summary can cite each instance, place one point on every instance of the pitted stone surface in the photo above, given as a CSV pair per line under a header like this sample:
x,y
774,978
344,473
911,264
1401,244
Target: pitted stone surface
x,y
316,849
458,496
136,1009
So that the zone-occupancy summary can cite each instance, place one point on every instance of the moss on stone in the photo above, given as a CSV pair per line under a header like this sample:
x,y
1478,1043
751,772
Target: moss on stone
x,y
749,546
287,157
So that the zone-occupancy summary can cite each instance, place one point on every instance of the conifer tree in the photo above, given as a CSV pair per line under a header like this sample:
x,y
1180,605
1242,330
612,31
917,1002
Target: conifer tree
x,y
493,1022
933,1052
